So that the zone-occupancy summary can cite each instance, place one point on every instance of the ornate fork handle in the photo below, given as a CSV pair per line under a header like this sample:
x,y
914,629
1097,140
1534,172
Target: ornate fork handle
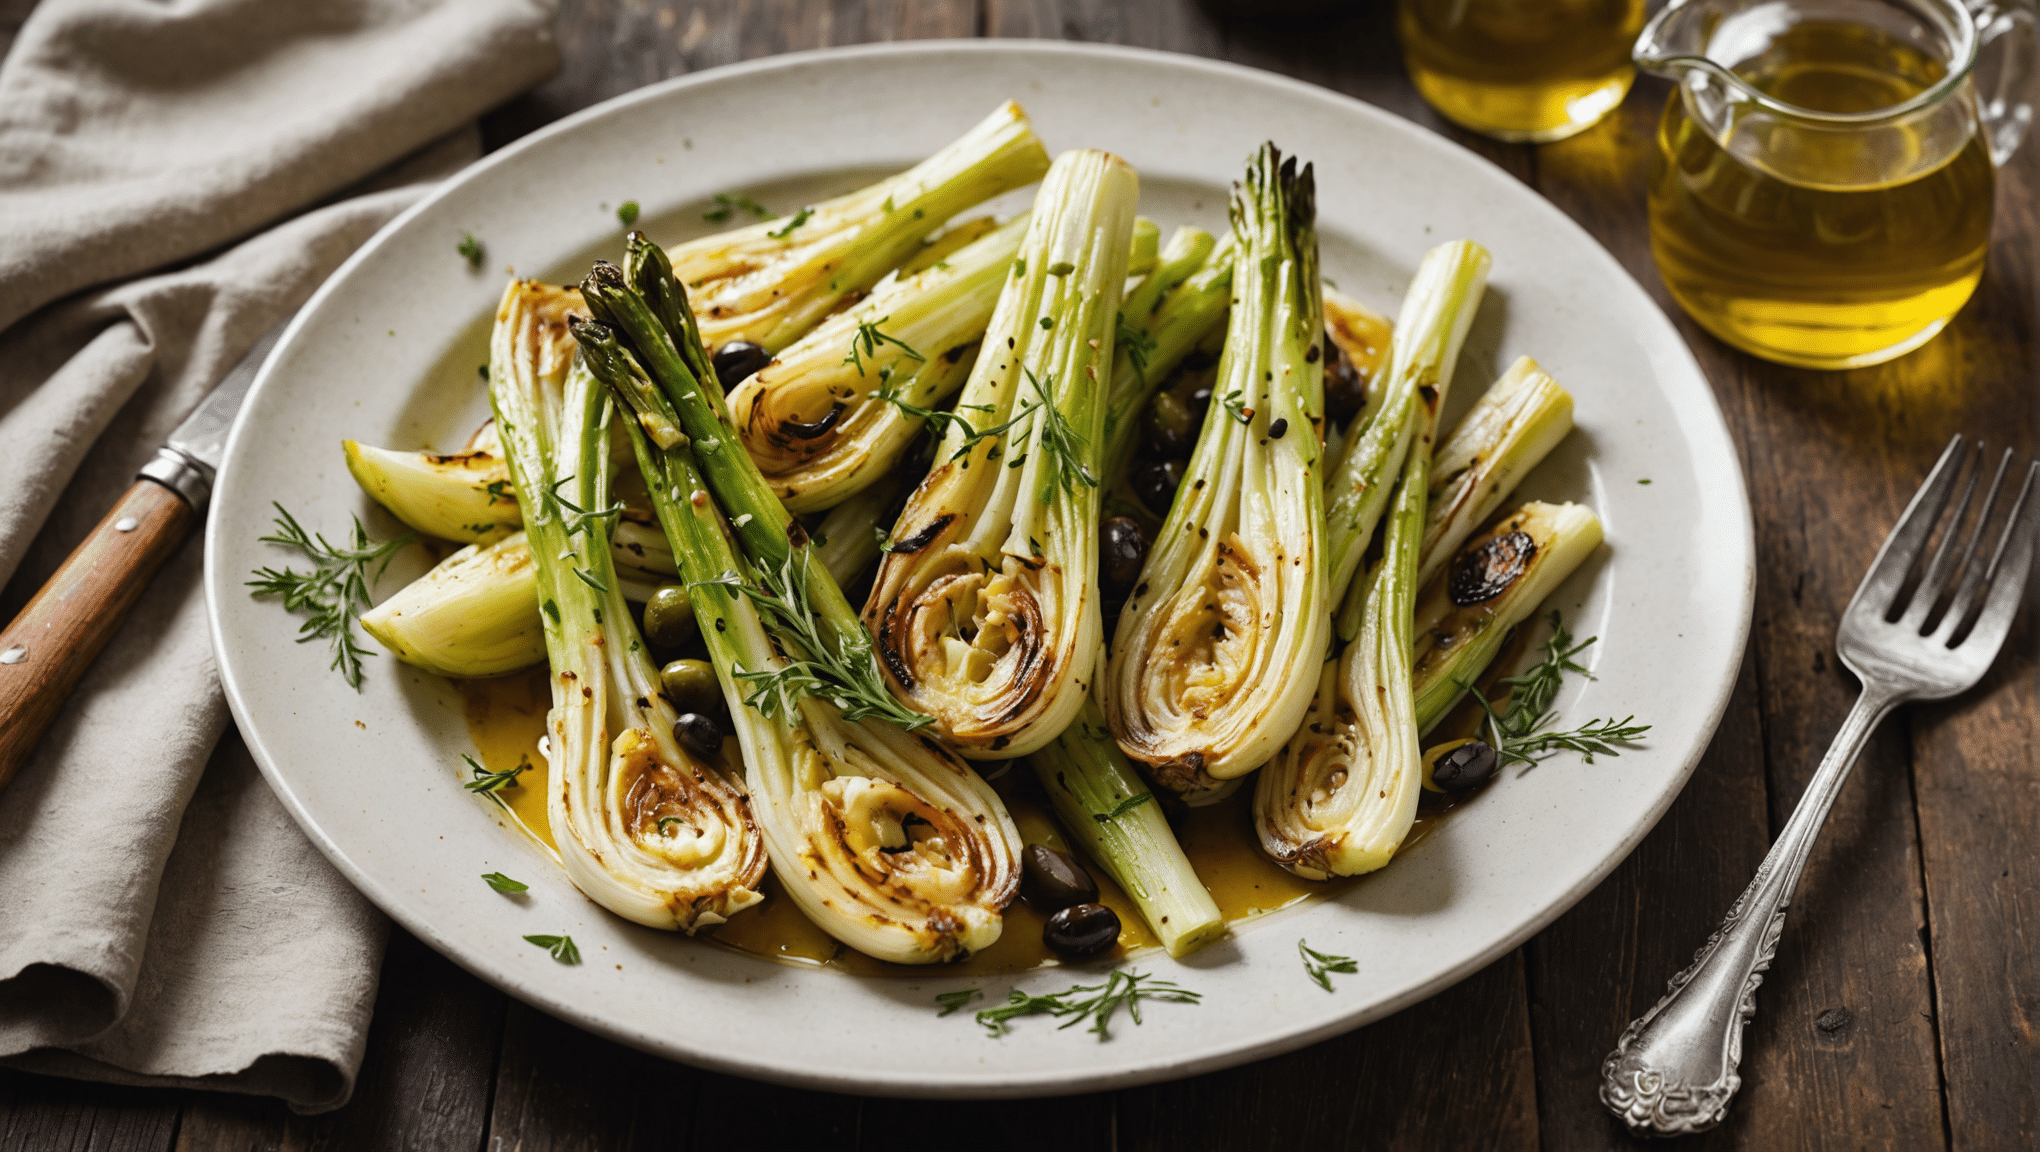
x,y
1676,1068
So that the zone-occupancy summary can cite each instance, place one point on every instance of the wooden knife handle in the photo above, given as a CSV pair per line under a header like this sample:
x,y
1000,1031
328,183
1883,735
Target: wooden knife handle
x,y
49,646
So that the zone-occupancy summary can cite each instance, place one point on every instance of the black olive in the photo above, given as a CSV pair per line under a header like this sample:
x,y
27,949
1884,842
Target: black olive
x,y
1081,931
691,685
1122,548
1278,429
1481,574
1155,483
1466,767
1171,428
736,360
1052,881
699,734
1345,390
669,617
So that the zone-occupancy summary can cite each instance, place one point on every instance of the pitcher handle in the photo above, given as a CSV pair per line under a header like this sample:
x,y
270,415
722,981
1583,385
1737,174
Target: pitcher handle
x,y
2007,111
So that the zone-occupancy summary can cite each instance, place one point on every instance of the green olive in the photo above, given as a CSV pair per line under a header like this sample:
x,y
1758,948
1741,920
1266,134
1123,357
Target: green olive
x,y
669,617
691,685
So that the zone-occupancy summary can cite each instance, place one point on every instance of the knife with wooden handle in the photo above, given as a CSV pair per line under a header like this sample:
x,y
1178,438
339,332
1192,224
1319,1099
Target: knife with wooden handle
x,y
48,647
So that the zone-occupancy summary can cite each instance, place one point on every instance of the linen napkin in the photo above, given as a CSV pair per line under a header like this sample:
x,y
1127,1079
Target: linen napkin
x,y
175,180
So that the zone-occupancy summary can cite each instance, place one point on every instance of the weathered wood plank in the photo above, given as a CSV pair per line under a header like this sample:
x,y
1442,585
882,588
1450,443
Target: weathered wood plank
x,y
52,1114
1973,758
1451,1072
424,1084
563,1090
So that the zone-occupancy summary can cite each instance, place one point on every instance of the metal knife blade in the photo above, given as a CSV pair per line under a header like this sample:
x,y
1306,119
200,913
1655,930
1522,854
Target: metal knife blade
x,y
190,459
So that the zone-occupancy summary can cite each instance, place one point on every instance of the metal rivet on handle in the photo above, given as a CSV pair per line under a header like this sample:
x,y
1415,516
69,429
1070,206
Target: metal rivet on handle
x,y
126,524
14,655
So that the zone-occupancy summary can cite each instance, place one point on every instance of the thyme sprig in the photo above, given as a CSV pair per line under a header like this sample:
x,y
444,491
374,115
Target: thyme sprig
x,y
954,1001
334,592
1319,965
940,421
1138,342
1523,735
492,782
1064,445
1236,403
1094,1002
868,339
844,673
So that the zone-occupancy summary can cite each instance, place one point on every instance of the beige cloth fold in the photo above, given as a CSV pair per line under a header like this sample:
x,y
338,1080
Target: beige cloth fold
x,y
161,921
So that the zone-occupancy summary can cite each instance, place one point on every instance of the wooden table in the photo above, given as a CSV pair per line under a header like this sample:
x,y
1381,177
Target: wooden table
x,y
1903,1008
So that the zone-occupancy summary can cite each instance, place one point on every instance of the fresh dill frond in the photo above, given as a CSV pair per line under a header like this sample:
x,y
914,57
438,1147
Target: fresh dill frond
x,y
334,592
1523,734
1094,1002
561,947
799,218
1138,343
728,204
1319,965
845,673
867,340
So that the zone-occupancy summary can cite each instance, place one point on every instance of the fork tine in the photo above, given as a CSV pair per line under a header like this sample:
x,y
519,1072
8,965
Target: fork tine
x,y
1927,592
1902,548
1969,571
2008,569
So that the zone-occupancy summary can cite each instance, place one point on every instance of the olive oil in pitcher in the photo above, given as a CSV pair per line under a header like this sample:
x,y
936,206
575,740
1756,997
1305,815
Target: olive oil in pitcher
x,y
1794,241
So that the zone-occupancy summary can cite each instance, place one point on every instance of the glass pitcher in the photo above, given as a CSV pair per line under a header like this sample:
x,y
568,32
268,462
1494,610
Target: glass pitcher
x,y
1826,167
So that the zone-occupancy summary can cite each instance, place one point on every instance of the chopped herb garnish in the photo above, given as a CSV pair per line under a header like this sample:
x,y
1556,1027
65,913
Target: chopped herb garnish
x,y
561,947
1062,442
1522,735
1094,1002
1236,403
1122,808
869,337
471,250
504,884
1318,965
627,212
728,204
799,218
954,1001
334,593
1047,322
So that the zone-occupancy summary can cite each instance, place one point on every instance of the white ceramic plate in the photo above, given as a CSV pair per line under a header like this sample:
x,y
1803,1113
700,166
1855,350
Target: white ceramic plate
x,y
386,353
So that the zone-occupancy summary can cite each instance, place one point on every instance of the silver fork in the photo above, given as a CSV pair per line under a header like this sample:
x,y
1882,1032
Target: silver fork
x,y
1927,638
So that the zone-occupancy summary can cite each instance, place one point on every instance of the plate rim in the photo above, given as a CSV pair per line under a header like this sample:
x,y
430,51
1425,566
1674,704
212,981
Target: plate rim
x,y
1009,1084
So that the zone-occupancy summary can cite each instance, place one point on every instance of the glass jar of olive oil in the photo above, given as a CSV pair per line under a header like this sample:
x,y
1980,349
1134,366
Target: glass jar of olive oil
x,y
1520,70
1823,191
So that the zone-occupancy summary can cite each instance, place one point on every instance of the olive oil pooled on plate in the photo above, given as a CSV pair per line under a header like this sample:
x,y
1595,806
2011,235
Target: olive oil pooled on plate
x,y
1811,272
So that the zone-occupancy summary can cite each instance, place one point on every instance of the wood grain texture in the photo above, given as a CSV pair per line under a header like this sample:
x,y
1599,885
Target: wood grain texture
x,y
60,632
50,1114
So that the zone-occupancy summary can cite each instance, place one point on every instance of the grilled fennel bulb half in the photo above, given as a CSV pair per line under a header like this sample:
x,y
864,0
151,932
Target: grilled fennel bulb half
x,y
1201,686
770,282
644,829
885,841
985,608
1342,794
836,411
462,496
